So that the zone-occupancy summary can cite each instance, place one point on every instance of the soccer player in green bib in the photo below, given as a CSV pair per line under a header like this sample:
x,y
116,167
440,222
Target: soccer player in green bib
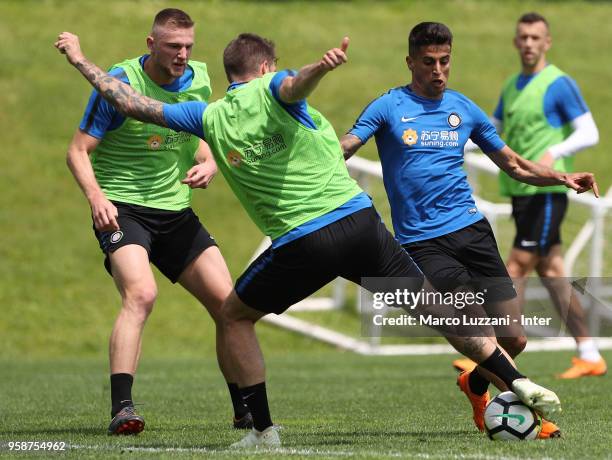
x,y
137,178
542,115
285,164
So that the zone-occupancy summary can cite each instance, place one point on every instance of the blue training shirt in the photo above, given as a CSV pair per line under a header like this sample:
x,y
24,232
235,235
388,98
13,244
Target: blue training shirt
x,y
420,143
187,116
100,116
563,101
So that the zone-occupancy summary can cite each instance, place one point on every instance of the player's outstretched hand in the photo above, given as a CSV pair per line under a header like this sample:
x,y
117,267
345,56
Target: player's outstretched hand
x,y
69,45
201,175
582,182
542,400
335,57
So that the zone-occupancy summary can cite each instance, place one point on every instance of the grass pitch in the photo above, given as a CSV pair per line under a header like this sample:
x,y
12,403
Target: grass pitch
x,y
330,405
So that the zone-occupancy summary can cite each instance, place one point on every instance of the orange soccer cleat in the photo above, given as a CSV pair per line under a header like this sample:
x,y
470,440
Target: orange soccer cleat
x,y
478,402
582,368
549,430
464,365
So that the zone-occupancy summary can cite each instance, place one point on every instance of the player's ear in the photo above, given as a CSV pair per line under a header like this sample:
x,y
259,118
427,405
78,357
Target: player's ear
x,y
150,41
410,63
264,68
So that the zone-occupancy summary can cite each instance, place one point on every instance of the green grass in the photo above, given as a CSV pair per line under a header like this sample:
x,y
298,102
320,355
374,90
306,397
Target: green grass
x,y
329,404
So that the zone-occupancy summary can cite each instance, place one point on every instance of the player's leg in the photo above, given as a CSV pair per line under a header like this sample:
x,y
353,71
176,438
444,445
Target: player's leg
x,y
551,270
238,320
481,256
538,245
185,252
136,284
208,279
529,221
444,262
126,259
273,282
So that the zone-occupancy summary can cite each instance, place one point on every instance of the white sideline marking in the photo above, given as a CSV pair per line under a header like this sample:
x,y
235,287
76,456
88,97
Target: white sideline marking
x,y
282,451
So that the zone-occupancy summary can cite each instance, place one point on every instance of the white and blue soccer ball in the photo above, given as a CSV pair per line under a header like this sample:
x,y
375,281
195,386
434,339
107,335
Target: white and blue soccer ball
x,y
508,419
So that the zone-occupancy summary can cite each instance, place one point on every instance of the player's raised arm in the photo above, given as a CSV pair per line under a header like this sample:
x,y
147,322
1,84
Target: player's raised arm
x,y
125,99
294,89
537,174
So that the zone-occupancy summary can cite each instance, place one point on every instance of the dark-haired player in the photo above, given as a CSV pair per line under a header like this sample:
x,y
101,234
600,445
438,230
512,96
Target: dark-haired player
x,y
420,131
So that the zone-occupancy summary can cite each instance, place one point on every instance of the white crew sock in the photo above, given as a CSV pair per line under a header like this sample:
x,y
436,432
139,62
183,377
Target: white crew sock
x,y
587,349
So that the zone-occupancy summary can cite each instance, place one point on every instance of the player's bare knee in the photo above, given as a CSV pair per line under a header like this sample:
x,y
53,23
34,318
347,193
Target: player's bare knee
x,y
513,345
139,300
549,271
234,312
216,303
230,310
516,269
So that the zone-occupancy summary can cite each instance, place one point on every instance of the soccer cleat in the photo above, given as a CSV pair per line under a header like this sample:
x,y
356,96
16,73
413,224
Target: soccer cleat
x,y
464,365
582,368
254,439
478,402
126,421
244,423
549,430
543,401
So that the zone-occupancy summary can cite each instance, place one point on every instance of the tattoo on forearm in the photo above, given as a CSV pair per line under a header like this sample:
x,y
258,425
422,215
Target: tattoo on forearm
x,y
125,99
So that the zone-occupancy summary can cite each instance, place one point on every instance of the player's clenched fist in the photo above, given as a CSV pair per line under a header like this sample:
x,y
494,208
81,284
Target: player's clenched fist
x,y
335,56
69,45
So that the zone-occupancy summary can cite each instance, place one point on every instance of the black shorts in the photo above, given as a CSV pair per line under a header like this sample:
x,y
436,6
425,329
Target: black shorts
x,y
173,239
467,258
538,221
354,247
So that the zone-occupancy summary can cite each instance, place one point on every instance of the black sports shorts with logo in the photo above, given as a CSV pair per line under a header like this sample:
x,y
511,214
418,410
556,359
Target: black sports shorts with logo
x,y
538,221
354,247
173,239
467,258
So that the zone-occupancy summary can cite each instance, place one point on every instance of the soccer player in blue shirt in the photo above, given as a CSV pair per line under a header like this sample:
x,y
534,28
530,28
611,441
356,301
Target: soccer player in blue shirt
x,y
420,131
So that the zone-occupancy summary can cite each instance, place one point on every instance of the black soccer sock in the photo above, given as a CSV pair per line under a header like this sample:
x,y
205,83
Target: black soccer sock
x,y
121,391
256,399
499,365
240,408
478,384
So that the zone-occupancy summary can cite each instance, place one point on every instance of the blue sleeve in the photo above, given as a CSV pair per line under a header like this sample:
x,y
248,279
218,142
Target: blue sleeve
x,y
563,102
100,116
499,110
372,118
186,116
299,109
484,133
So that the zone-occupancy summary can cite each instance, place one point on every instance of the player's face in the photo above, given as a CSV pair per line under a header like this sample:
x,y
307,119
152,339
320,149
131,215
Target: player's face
x,y
430,68
170,50
532,42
